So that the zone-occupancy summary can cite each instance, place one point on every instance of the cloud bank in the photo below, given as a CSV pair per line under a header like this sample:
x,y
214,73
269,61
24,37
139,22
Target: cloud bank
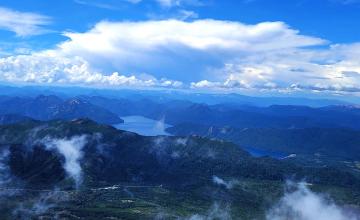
x,y
202,54
50,67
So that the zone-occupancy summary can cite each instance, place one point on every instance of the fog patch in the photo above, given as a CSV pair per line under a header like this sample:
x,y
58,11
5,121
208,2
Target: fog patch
x,y
39,205
175,155
160,124
4,168
227,184
71,149
210,154
32,136
159,146
6,177
181,141
101,147
300,203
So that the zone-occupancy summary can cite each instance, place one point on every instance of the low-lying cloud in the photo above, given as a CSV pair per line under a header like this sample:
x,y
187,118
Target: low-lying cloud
x,y
221,182
39,205
71,149
4,168
303,204
215,212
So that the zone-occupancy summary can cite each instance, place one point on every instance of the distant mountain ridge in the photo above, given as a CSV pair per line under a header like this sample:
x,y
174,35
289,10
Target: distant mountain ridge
x,y
333,142
238,116
174,112
168,95
52,107
11,119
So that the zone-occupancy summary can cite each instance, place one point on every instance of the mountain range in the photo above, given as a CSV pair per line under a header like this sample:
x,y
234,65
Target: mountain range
x,y
79,159
52,107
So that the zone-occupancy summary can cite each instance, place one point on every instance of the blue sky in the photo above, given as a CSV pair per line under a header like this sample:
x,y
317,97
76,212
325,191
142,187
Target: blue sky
x,y
245,46
335,20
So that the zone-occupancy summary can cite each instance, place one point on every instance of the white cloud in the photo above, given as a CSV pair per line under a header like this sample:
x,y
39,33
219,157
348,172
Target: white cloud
x,y
71,149
134,1
186,14
177,3
167,48
49,67
227,184
201,54
23,23
4,168
162,3
332,70
303,204
103,5
199,34
215,212
169,3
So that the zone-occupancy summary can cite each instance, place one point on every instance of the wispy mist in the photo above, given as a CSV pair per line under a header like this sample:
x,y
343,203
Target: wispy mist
x,y
227,184
215,212
39,205
4,169
71,149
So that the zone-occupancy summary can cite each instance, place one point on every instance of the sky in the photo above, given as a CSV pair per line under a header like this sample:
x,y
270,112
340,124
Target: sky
x,y
309,47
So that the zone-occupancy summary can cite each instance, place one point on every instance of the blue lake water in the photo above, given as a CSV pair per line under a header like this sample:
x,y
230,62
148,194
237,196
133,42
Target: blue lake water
x,y
143,126
149,127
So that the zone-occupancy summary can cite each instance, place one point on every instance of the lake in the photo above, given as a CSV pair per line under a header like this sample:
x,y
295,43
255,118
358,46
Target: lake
x,y
149,127
143,126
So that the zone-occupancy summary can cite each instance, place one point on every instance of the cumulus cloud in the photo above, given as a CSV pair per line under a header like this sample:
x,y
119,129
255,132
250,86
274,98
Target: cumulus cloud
x,y
303,204
200,54
199,34
49,67
153,48
23,23
331,70
71,149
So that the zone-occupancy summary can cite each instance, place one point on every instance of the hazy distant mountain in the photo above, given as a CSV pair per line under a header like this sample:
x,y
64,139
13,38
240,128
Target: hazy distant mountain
x,y
161,96
53,107
107,110
334,142
239,116
11,119
255,117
